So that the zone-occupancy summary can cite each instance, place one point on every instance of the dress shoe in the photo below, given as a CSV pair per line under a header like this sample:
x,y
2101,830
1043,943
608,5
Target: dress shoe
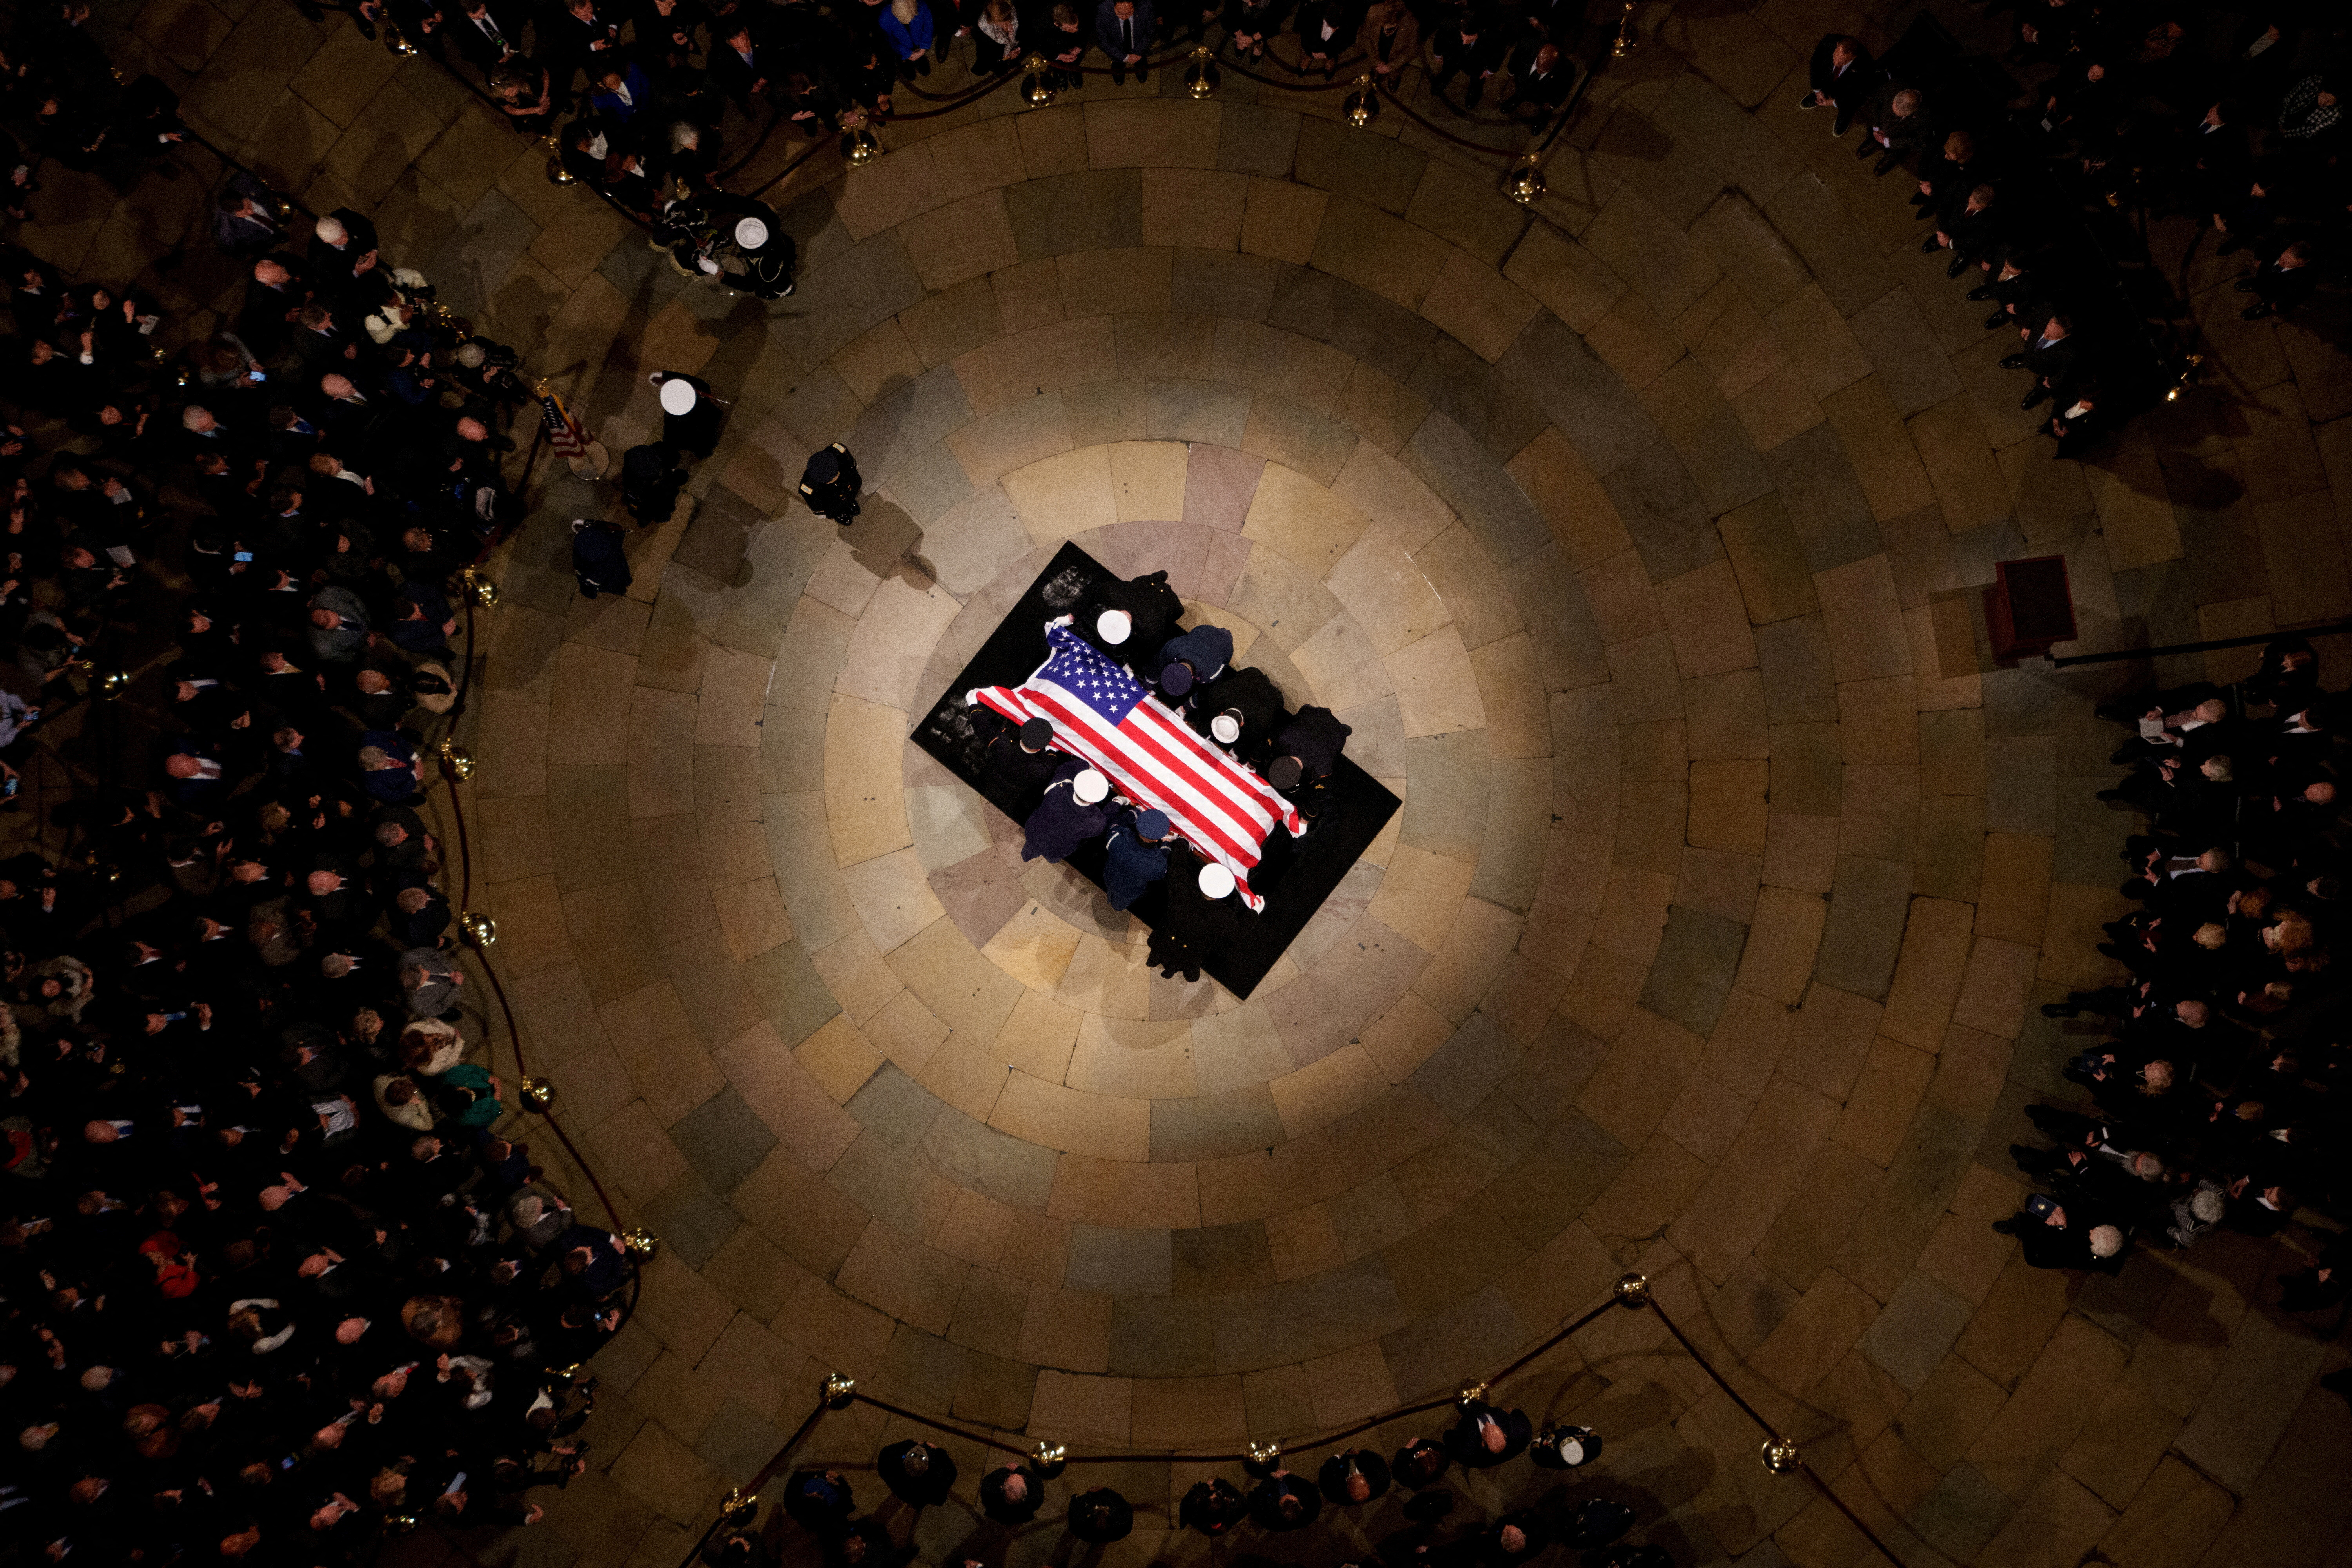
x,y
2006,1227
1997,319
2035,398
1869,145
2061,1010
1929,246
1981,293
2111,794
2024,1156
1807,103
1886,165
1959,265
2244,283
2014,361
2255,312
1844,123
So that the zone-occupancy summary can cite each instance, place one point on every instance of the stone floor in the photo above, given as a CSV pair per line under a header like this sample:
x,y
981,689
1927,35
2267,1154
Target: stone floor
x,y
1639,539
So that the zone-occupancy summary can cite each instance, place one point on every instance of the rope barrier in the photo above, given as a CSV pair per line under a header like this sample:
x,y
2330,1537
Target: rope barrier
x,y
1778,1454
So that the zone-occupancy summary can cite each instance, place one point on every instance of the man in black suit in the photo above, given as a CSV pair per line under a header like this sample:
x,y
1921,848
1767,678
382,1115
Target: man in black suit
x,y
2053,357
1967,226
1486,1436
272,298
1472,47
2284,283
1541,76
487,36
1843,77
1899,124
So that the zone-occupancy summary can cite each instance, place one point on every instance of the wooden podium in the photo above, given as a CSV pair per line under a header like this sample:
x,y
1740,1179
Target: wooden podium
x,y
2029,609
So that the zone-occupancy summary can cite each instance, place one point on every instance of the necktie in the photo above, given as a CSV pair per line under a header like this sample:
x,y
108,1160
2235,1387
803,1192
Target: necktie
x,y
490,31
1126,34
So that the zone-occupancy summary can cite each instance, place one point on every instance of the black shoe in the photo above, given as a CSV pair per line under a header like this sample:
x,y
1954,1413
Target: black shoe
x,y
2014,361
2245,284
1886,165
2023,1155
1981,294
1929,246
2006,1227
2035,398
2111,794
1997,319
2255,313
1807,103
1119,73
1869,145
1845,123
1959,265
2061,1010
1143,73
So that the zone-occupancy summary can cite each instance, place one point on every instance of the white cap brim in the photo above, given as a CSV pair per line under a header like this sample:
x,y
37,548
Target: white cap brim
x,y
1112,625
751,234
1089,788
1215,881
677,396
1225,729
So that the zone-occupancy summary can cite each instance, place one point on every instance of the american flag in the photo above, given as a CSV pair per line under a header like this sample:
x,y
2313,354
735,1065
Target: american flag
x,y
1103,714
564,432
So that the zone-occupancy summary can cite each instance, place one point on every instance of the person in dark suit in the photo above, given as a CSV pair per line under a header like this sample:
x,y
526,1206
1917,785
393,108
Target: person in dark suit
x,y
2052,357
1541,76
1282,1501
584,37
1213,1507
1100,1515
1123,29
244,224
739,65
1486,1436
1842,76
1899,125
2014,288
485,34
1011,1494
1355,1477
2284,283
917,1472
1248,22
1967,226
1473,48
1324,28
819,1500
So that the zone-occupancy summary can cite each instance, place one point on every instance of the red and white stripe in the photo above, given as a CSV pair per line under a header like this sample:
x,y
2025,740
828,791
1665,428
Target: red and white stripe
x,y
1211,802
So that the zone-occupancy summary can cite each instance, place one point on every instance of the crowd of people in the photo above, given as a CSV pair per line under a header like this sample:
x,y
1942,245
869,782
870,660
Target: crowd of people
x,y
1485,1438
2120,101
2218,1062
274,1278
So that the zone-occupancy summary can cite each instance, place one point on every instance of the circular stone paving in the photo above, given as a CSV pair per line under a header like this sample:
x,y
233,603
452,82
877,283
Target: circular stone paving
x,y
1702,945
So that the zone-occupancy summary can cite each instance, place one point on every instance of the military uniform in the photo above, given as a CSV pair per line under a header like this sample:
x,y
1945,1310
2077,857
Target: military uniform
x,y
1130,865
1250,692
831,483
1194,927
1062,822
1151,606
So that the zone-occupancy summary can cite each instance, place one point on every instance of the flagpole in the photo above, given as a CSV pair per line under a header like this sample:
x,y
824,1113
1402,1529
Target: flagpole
x,y
587,457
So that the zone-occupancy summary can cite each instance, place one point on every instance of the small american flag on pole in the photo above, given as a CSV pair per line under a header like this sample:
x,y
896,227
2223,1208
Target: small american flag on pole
x,y
1103,714
564,432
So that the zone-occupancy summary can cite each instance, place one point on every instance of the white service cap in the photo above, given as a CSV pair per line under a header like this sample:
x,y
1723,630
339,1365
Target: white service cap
x,y
1225,728
751,234
1113,626
676,395
1089,788
1215,881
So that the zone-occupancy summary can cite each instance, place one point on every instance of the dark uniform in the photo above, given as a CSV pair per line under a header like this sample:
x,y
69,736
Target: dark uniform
x,y
1010,759
598,559
696,429
1204,650
1194,927
1061,822
1248,692
831,483
1316,737
650,481
1149,603
1101,1515
1132,863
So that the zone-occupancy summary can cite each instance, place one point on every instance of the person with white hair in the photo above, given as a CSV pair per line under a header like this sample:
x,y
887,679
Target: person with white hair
x,y
1011,1494
917,1472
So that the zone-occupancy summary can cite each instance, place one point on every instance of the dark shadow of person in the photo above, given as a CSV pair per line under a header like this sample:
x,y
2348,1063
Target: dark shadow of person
x,y
886,542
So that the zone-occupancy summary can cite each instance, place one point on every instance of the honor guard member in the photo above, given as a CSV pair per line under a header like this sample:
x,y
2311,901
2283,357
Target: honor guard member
x,y
1566,1448
1024,758
597,558
767,254
1213,1507
689,413
1135,856
1202,911
1133,618
1077,808
830,484
1190,660
1249,698
650,481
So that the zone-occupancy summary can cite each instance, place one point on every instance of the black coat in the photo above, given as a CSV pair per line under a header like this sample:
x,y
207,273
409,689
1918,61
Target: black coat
x,y
1852,89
